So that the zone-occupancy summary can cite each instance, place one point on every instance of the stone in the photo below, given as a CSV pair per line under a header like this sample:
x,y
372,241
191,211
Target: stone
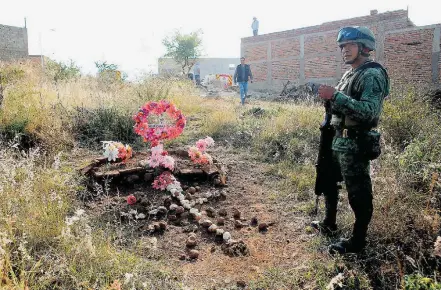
x,y
206,223
173,206
148,177
223,212
263,227
197,188
167,202
162,225
132,178
194,211
226,236
191,242
220,221
153,212
162,210
172,218
140,216
182,257
220,232
192,190
254,222
180,210
236,214
210,212
241,284
238,224
188,196
212,228
198,216
193,254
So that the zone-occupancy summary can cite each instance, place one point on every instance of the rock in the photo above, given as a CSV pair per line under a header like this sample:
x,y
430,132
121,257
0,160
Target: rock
x,y
226,236
188,196
198,216
162,225
173,207
220,232
193,254
211,212
148,177
132,178
194,211
236,214
167,202
238,224
212,228
197,188
140,216
190,228
206,223
191,242
223,196
184,187
180,210
263,227
186,205
204,200
220,221
172,218
162,210
192,190
241,284
185,215
153,212
156,226
254,222
192,235
235,248
223,212
182,257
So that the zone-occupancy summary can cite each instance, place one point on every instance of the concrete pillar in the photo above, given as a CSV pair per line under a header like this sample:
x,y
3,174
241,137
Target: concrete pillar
x,y
436,54
302,59
269,75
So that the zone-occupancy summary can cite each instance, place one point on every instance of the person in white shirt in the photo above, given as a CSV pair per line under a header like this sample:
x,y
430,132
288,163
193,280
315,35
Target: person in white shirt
x,y
255,26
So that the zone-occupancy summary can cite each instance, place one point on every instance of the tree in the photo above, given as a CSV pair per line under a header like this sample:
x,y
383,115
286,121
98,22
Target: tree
x,y
184,48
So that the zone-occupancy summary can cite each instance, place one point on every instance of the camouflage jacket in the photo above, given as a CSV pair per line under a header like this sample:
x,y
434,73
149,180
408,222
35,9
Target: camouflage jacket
x,y
358,101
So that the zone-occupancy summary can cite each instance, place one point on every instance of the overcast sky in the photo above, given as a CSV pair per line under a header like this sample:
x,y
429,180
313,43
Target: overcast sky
x,y
129,33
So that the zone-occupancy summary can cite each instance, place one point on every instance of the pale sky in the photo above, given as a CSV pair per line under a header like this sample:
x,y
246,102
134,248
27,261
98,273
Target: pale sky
x,y
129,33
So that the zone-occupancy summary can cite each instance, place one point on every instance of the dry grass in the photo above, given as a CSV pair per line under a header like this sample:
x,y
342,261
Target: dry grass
x,y
42,247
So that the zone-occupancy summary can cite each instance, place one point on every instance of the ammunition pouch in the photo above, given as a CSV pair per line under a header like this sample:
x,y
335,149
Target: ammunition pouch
x,y
368,142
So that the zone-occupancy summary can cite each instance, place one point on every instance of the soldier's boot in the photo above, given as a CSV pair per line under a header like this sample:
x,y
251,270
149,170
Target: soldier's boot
x,y
362,206
328,226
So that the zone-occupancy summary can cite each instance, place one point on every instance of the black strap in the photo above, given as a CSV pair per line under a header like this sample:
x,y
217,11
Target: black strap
x,y
357,73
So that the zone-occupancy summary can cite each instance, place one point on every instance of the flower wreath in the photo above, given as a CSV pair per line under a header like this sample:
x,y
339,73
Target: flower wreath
x,y
154,134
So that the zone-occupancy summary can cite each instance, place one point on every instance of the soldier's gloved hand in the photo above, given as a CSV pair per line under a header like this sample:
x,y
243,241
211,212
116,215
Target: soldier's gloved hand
x,y
326,92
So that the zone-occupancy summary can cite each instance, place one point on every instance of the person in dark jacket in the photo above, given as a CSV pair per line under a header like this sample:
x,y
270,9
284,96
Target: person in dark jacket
x,y
241,76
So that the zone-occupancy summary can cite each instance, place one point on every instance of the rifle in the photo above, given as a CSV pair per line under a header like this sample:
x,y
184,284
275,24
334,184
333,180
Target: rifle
x,y
323,164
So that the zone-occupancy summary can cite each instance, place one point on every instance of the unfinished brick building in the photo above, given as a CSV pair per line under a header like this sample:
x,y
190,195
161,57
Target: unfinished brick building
x,y
410,53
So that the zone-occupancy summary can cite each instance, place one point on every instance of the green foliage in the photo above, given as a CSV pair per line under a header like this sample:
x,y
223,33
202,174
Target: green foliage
x,y
9,74
184,48
419,282
91,126
59,71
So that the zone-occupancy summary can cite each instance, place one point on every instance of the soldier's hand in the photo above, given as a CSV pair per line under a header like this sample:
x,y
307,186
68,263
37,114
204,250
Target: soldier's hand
x,y
326,92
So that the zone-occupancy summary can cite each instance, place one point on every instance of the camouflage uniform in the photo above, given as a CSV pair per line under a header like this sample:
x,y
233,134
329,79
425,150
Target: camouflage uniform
x,y
356,107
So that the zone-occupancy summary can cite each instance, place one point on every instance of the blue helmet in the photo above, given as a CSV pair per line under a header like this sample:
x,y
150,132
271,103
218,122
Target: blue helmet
x,y
358,34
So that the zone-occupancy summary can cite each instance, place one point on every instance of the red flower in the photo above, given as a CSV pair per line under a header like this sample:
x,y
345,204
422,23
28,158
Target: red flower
x,y
131,199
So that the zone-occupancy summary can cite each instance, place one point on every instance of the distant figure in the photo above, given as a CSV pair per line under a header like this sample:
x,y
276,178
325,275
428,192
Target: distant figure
x,y
255,26
241,76
197,73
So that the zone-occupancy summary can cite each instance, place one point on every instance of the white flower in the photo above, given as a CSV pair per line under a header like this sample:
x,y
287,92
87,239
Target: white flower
x,y
336,281
111,152
168,162
157,149
209,141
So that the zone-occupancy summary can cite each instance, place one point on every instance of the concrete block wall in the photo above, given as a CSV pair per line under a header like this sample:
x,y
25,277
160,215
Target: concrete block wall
x,y
311,54
13,42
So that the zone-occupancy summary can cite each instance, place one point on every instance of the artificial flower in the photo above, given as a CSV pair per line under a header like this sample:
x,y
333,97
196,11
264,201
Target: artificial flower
x,y
131,199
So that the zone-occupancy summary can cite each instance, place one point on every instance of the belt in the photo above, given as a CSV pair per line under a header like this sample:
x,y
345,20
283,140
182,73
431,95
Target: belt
x,y
347,133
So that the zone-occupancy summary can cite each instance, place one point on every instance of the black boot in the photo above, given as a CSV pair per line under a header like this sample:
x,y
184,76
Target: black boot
x,y
345,246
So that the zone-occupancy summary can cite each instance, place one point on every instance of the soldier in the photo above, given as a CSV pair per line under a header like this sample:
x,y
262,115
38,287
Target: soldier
x,y
356,104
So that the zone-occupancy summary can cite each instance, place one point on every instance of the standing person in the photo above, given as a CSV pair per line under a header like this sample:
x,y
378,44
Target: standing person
x,y
197,73
255,26
241,76
356,104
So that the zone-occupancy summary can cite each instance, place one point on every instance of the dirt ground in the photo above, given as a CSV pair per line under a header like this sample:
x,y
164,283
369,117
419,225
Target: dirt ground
x,y
248,191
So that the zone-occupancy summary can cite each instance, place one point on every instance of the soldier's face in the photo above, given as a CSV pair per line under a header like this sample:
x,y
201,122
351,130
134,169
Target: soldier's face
x,y
349,52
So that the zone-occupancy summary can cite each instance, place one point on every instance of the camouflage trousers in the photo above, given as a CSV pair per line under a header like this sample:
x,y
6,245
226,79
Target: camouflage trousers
x,y
353,169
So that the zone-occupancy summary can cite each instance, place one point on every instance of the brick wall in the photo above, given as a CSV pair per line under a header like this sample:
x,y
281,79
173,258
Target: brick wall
x,y
408,55
13,42
311,53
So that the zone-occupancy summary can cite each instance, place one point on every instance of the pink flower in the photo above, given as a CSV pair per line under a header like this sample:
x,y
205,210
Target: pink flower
x,y
201,145
168,162
154,161
131,199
